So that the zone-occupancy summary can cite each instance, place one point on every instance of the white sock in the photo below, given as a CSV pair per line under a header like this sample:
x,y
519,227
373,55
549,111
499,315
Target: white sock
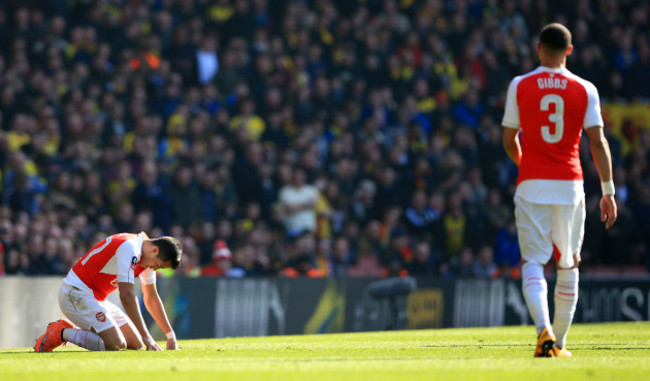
x,y
535,292
84,339
566,300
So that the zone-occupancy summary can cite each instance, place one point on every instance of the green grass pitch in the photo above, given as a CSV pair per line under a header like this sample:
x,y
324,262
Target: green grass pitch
x,y
617,351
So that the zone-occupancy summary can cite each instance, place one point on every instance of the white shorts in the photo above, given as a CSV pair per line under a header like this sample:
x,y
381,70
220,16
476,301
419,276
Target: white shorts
x,y
544,230
86,312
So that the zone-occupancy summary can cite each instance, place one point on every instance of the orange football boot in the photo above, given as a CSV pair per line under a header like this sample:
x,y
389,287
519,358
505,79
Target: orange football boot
x,y
545,344
52,336
561,352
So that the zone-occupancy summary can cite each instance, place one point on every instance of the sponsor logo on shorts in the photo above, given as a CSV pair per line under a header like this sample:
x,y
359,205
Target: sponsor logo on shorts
x,y
114,282
134,261
101,317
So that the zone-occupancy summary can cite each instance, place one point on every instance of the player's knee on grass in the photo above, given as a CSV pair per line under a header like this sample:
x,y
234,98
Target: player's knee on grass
x,y
113,340
115,346
135,345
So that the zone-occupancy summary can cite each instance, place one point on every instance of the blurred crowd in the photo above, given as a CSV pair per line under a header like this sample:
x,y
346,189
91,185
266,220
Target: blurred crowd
x,y
296,137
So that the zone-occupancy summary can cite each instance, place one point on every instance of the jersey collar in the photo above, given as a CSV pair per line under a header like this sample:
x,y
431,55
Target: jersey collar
x,y
559,70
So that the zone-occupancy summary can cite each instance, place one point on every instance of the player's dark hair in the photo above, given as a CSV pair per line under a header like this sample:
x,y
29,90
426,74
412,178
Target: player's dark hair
x,y
170,249
555,37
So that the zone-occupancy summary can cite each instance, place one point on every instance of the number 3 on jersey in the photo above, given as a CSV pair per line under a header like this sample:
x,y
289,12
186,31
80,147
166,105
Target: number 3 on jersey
x,y
557,118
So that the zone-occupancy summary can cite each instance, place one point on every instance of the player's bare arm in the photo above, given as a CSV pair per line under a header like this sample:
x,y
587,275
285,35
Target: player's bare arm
x,y
603,160
155,307
511,144
132,309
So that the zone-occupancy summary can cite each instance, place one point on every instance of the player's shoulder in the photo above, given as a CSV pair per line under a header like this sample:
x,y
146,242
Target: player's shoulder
x,y
122,236
125,240
516,81
540,70
588,85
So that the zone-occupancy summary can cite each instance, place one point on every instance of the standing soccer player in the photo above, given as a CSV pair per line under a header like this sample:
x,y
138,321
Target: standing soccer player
x,y
550,106
113,264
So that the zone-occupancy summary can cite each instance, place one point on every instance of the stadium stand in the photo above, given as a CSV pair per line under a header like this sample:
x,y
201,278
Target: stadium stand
x,y
189,117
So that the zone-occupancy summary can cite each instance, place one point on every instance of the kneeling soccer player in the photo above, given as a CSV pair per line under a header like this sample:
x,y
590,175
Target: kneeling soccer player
x,y
113,264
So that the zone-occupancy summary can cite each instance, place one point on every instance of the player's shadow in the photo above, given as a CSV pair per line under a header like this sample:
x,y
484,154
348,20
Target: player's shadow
x,y
593,347
610,348
42,354
474,345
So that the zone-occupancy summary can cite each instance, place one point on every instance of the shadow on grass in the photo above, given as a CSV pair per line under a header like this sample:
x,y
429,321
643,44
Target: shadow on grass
x,y
593,346
9,352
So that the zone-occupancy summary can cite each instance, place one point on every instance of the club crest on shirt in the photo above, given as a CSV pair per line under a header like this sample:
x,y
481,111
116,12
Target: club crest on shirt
x,y
100,317
134,261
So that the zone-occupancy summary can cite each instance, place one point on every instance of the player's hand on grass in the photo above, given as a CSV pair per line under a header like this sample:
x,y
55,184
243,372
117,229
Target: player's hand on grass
x,y
608,212
172,344
151,344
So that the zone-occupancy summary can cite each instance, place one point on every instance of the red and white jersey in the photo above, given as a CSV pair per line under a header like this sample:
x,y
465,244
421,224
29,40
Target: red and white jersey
x,y
115,259
551,106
